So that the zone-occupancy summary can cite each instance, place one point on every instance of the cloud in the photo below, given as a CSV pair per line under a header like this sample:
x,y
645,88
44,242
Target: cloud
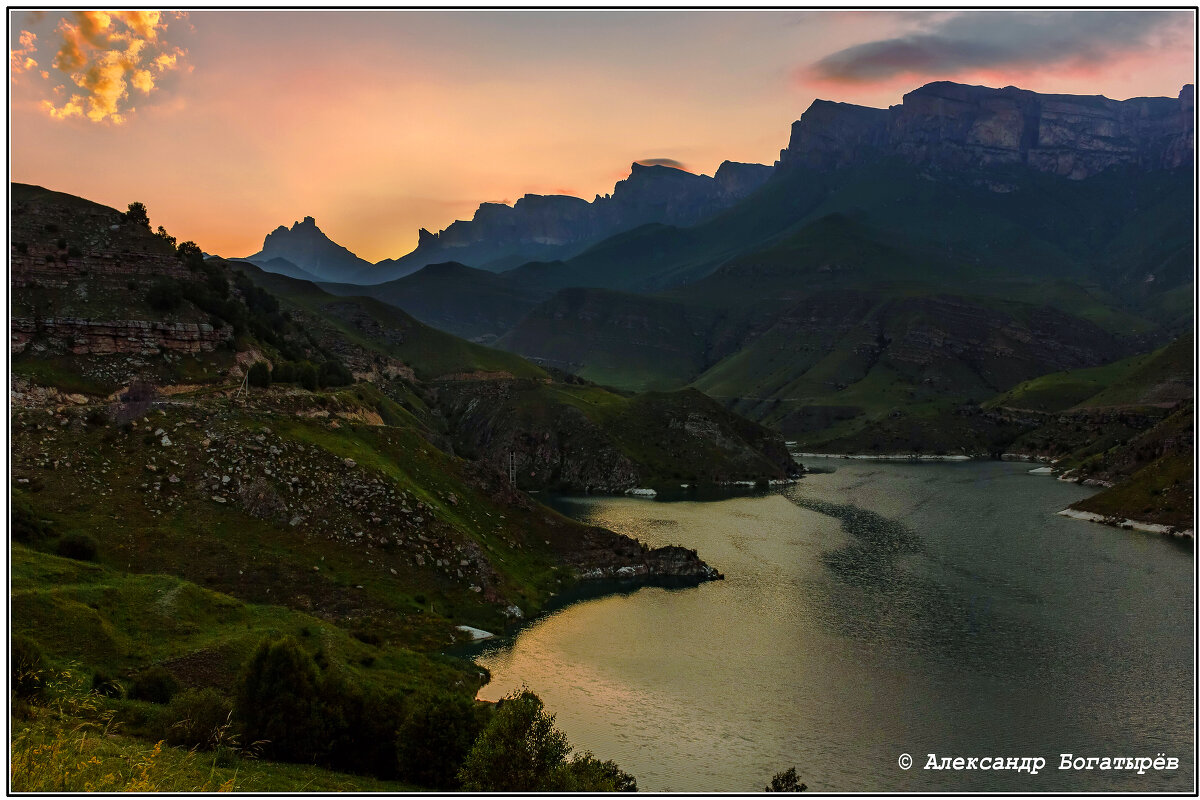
x,y
21,59
662,162
942,45
101,56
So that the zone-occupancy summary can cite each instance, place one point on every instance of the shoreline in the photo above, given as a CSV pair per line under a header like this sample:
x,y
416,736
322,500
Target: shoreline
x,y
1127,524
890,457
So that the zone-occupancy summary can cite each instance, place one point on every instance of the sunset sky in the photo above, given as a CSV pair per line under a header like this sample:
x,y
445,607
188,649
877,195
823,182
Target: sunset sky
x,y
377,123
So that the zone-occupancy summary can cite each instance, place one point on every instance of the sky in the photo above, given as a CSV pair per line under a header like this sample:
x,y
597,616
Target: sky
x,y
229,123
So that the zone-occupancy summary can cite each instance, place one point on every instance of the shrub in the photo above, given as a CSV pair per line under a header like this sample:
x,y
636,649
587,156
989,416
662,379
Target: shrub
x,y
334,373
284,372
27,528
519,751
97,417
154,685
105,685
435,735
586,773
74,252
306,376
164,295
28,668
786,781
278,699
137,215
78,546
197,719
259,375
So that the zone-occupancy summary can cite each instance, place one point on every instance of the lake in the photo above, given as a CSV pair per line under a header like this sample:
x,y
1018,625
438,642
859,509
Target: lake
x,y
876,610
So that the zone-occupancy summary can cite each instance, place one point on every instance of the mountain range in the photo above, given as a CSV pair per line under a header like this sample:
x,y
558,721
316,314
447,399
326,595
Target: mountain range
x,y
895,265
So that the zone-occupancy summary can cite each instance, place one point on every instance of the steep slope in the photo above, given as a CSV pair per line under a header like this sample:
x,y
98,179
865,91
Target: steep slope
x,y
539,227
306,246
471,303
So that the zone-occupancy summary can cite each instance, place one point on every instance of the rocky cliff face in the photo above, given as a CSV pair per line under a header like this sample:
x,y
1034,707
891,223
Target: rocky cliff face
x,y
540,227
953,126
307,247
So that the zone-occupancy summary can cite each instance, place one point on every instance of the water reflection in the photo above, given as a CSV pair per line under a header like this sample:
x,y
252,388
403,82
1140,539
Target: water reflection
x,y
869,611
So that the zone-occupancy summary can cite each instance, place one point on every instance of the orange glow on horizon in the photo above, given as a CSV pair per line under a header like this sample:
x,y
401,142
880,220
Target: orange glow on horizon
x,y
378,123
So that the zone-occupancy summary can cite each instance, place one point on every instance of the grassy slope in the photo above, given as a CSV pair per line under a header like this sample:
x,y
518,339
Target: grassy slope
x,y
430,352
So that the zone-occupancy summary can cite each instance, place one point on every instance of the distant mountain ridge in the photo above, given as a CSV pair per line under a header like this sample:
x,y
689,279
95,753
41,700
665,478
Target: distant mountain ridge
x,y
955,126
306,247
547,227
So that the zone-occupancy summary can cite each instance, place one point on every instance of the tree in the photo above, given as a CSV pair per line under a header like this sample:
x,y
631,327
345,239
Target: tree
x,y
278,697
519,751
786,782
162,234
306,376
334,373
586,773
435,737
137,215
259,375
190,253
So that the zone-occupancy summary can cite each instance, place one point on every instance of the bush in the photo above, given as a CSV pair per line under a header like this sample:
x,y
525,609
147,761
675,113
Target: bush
x,y
78,546
28,668
277,703
197,719
27,528
435,736
786,782
519,751
105,685
154,685
284,372
306,376
259,375
137,215
191,254
334,373
97,417
164,295
586,773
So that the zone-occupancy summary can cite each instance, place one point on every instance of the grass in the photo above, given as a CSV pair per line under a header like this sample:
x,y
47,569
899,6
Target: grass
x,y
121,623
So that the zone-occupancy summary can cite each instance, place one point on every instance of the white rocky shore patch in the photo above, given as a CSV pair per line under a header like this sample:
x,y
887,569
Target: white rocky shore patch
x,y
476,634
1127,524
889,457
641,493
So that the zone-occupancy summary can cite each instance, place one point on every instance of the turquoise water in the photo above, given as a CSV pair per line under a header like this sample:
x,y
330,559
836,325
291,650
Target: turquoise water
x,y
876,610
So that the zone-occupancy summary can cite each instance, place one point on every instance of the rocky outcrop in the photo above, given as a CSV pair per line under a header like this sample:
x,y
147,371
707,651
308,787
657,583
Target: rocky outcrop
x,y
601,555
543,227
953,126
90,337
307,247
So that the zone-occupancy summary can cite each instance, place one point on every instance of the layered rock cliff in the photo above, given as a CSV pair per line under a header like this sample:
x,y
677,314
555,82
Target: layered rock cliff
x,y
953,126
536,227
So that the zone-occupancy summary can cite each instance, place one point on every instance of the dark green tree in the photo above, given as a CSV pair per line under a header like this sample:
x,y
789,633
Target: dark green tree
x,y
786,781
435,736
137,215
154,685
586,773
191,254
520,750
278,701
259,375
334,373
306,376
